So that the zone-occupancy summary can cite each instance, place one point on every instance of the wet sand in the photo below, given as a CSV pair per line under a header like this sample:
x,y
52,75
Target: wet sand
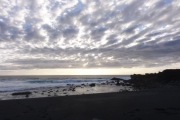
x,y
159,103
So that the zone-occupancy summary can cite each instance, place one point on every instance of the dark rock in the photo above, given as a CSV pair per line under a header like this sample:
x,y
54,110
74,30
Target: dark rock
x,y
92,84
103,83
117,80
154,80
22,93
64,90
122,84
128,84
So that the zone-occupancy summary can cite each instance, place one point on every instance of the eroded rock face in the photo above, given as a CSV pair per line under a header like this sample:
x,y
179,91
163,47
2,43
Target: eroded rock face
x,y
152,80
22,93
166,75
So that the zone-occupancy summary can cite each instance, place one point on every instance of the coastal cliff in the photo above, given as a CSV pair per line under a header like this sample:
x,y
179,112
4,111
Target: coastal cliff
x,y
151,80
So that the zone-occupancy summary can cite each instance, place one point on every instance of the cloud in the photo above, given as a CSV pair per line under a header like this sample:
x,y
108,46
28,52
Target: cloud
x,y
88,33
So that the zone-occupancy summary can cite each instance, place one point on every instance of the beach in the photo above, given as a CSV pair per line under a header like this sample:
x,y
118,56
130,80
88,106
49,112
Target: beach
x,y
157,103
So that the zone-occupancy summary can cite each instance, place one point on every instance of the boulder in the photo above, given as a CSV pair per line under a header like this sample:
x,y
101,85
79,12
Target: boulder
x,y
92,84
64,90
22,93
103,83
27,95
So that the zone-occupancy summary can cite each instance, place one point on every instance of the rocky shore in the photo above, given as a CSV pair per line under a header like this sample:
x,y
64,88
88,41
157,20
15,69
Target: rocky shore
x,y
166,78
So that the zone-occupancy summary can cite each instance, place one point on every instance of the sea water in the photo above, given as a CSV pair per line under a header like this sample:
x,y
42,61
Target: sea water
x,y
21,83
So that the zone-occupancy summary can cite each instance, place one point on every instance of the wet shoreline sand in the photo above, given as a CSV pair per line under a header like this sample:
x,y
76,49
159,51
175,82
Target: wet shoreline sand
x,y
157,103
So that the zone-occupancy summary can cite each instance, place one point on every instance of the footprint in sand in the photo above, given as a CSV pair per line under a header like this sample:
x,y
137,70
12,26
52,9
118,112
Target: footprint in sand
x,y
166,111
95,119
175,109
133,114
160,109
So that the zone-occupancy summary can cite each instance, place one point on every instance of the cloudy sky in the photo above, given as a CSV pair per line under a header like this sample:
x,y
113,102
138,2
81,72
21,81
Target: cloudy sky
x,y
89,36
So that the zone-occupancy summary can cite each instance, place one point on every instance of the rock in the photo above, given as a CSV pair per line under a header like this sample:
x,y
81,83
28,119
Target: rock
x,y
103,83
117,80
92,84
114,78
27,96
128,84
22,93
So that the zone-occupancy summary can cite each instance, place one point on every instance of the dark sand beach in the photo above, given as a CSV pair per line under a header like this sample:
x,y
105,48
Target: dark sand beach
x,y
151,104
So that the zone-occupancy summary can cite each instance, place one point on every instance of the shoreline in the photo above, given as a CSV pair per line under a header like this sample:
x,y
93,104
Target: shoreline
x,y
66,90
157,103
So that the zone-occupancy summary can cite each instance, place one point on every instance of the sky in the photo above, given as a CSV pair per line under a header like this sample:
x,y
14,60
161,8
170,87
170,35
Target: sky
x,y
67,37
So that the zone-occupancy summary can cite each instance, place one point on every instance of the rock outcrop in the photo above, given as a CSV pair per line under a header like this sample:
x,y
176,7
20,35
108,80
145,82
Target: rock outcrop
x,y
155,79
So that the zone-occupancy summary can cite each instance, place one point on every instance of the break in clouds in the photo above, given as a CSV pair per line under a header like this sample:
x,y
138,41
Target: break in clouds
x,y
88,33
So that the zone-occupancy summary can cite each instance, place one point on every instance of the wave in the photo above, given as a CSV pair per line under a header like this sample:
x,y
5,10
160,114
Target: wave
x,y
19,85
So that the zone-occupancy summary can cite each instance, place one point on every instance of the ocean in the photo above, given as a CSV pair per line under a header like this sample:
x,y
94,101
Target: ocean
x,y
23,83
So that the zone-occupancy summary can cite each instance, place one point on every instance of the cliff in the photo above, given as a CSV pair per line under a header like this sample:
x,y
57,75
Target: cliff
x,y
155,79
